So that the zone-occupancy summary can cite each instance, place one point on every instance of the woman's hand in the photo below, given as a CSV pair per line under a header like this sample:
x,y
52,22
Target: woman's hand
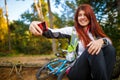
x,y
95,46
34,28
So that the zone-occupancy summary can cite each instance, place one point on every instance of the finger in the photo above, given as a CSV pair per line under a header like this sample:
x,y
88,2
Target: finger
x,y
34,30
90,43
91,46
98,50
37,28
34,27
94,51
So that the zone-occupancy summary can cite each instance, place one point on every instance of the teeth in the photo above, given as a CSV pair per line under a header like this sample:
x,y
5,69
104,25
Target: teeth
x,y
83,21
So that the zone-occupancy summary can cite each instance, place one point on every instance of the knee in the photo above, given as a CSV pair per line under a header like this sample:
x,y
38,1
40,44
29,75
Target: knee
x,y
110,46
110,49
110,52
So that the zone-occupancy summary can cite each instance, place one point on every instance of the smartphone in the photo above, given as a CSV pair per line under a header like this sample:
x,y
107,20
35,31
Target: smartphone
x,y
43,26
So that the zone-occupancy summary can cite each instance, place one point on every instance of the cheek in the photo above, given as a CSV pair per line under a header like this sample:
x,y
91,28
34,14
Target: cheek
x,y
79,19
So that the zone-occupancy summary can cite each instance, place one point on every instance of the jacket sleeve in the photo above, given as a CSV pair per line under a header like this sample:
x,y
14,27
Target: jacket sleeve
x,y
58,33
107,41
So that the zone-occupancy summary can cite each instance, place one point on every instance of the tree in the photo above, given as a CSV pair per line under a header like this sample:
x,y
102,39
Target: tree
x,y
3,30
9,37
27,43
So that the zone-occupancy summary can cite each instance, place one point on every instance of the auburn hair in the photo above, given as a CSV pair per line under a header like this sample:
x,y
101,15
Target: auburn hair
x,y
94,26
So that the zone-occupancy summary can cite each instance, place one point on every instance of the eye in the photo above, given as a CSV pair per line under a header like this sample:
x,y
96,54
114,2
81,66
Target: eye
x,y
79,15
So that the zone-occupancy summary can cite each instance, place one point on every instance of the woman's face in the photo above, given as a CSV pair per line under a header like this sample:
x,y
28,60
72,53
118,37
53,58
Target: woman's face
x,y
82,18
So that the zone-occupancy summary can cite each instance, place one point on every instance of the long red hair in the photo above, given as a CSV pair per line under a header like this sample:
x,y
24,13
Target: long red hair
x,y
94,26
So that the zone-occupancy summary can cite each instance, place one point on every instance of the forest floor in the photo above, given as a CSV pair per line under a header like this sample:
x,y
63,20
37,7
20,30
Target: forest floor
x,y
9,72
28,69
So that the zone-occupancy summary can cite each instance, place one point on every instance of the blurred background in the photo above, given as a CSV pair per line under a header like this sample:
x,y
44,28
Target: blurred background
x,y
16,15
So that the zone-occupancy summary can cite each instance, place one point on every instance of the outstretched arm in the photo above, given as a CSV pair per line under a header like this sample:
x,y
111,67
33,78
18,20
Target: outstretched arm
x,y
50,33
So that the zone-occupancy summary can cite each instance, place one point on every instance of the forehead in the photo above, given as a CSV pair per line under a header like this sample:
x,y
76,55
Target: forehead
x,y
81,12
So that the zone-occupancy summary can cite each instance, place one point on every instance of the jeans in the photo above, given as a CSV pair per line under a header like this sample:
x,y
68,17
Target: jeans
x,y
94,67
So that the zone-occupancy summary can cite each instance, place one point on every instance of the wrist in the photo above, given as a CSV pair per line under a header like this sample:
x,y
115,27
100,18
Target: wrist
x,y
101,41
104,41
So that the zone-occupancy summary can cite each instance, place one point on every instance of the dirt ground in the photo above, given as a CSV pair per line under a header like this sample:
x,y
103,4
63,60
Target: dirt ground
x,y
25,74
25,59
28,70
9,72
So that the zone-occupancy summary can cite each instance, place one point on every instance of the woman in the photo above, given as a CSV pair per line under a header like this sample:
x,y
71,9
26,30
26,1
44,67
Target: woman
x,y
96,55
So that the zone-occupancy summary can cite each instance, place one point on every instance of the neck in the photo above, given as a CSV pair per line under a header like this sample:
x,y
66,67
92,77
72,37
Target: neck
x,y
86,28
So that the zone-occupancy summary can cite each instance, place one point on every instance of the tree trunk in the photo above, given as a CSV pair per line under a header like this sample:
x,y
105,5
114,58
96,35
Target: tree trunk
x,y
51,26
39,10
118,6
9,37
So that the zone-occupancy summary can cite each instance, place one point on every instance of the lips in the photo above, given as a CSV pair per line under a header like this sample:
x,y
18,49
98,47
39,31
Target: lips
x,y
83,21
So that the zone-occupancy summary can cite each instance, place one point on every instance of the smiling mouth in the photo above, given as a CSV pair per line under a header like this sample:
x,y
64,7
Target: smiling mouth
x,y
83,21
